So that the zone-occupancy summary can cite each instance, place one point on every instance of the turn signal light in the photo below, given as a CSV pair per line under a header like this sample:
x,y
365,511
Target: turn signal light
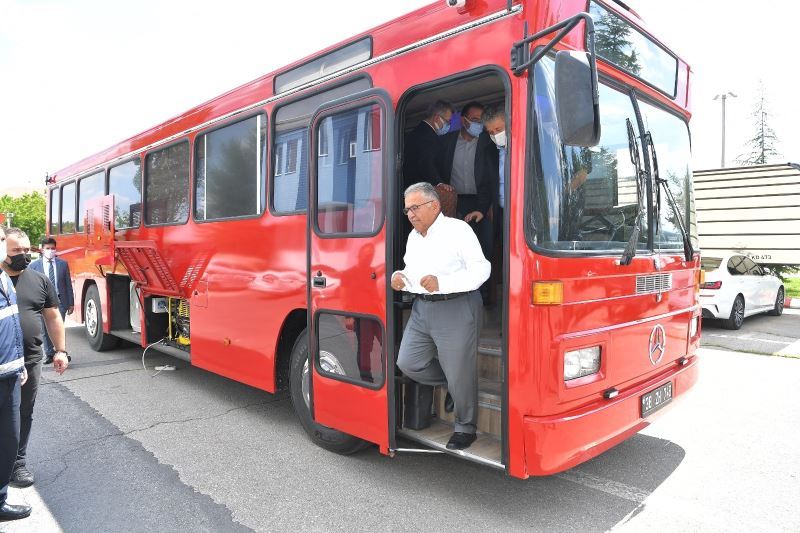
x,y
548,293
711,285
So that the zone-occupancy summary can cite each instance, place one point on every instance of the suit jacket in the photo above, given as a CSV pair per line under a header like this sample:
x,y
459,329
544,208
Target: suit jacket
x,y
486,167
66,298
421,156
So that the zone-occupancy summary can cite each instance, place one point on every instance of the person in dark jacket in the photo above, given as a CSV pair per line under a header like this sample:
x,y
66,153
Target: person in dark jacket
x,y
12,376
422,147
469,165
57,271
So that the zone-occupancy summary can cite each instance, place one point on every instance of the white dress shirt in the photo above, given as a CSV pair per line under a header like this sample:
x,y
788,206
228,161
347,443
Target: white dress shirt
x,y
451,252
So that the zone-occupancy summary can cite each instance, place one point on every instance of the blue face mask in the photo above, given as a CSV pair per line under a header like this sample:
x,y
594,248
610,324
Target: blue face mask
x,y
474,128
444,129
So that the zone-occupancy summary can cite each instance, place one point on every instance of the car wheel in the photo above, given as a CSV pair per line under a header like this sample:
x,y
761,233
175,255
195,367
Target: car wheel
x,y
779,302
299,384
93,322
737,314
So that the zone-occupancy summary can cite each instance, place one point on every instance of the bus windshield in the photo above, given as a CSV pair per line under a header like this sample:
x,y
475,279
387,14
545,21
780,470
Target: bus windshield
x,y
585,199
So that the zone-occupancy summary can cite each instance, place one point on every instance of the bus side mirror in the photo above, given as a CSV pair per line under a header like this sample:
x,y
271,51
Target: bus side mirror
x,y
576,99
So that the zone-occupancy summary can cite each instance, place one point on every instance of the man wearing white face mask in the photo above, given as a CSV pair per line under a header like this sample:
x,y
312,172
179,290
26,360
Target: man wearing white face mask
x,y
57,271
494,121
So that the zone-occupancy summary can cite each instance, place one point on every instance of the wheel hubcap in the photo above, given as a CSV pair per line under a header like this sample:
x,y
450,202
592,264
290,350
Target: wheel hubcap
x,y
91,318
329,363
739,311
780,303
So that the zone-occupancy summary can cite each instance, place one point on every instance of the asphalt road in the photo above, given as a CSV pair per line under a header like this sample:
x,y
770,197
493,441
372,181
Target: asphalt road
x,y
763,334
114,449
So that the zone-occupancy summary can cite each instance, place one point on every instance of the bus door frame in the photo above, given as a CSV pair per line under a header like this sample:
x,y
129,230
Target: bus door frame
x,y
353,407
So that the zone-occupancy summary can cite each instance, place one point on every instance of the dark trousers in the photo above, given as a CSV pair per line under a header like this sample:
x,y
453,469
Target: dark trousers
x,y
28,399
49,349
9,430
467,203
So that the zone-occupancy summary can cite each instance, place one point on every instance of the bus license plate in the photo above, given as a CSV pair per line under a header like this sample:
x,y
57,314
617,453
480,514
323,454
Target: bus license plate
x,y
656,399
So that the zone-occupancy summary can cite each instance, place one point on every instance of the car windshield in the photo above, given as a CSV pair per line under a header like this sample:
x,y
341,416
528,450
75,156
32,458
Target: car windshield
x,y
710,263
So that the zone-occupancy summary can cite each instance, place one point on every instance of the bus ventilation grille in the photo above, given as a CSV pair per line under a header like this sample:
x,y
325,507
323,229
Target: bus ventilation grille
x,y
653,283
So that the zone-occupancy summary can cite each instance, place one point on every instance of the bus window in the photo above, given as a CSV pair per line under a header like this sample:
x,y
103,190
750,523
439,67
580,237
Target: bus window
x,y
230,168
68,208
54,210
351,347
290,173
349,190
166,194
89,188
125,183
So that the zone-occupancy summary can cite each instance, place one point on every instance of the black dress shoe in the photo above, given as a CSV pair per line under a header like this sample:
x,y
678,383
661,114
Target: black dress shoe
x,y
460,441
14,512
21,478
448,403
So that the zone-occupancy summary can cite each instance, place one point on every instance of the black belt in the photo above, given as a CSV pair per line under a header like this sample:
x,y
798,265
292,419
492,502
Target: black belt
x,y
439,297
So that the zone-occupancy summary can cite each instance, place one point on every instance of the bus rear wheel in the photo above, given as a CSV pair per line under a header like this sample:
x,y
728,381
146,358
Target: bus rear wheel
x,y
93,322
299,384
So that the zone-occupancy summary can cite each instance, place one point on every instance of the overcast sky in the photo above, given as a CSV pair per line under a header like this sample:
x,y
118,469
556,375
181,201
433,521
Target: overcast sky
x,y
79,75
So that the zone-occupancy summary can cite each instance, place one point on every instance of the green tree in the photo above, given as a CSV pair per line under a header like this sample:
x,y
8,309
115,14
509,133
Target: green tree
x,y
28,214
760,149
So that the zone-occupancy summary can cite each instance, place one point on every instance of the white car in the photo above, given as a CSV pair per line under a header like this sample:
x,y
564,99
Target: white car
x,y
735,287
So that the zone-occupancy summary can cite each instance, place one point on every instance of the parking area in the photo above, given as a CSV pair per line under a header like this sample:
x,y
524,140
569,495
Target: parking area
x,y
762,334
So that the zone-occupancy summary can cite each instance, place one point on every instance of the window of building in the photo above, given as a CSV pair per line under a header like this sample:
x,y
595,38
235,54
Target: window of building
x,y
290,188
68,208
89,188
167,185
125,183
54,210
350,194
230,168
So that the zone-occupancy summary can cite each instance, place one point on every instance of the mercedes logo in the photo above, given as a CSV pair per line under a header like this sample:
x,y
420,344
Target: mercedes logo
x,y
658,344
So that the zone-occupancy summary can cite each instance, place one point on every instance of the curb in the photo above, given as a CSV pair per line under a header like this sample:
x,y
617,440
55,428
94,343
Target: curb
x,y
792,303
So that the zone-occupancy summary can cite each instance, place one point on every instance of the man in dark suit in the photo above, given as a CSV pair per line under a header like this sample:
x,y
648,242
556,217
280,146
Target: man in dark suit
x,y
469,165
421,154
57,271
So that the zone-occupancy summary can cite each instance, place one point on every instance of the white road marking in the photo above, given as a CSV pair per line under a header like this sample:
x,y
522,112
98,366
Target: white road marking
x,y
615,488
737,337
792,349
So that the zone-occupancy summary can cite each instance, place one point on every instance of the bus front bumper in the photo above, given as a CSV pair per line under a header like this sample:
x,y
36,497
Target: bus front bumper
x,y
556,443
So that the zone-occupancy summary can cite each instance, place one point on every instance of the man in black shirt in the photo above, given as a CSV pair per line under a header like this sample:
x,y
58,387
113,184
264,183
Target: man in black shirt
x,y
36,300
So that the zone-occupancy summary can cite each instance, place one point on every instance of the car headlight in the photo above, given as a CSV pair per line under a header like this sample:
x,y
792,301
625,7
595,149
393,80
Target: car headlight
x,y
580,363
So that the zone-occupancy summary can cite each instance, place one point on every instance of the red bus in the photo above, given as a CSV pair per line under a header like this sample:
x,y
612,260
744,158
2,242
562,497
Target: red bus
x,y
254,235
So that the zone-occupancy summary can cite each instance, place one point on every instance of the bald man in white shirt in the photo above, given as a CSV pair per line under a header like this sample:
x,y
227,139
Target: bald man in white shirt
x,y
444,268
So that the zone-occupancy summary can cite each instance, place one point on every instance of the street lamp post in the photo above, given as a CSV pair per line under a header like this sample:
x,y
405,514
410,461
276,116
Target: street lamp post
x,y
723,97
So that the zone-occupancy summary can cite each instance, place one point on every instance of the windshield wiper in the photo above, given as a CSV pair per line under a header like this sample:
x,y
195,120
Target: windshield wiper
x,y
688,249
630,248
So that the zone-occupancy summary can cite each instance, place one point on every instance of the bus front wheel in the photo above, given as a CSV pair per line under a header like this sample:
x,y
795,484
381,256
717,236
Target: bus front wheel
x,y
93,322
300,388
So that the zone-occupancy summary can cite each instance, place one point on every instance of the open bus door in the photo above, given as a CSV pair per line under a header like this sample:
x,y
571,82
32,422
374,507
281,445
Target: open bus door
x,y
349,231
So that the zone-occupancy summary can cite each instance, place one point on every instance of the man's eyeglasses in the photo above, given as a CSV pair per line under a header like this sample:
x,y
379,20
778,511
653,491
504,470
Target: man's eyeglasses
x,y
414,208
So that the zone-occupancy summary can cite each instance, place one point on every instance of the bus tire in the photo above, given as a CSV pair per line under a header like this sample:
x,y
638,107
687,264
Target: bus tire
x,y
99,341
325,437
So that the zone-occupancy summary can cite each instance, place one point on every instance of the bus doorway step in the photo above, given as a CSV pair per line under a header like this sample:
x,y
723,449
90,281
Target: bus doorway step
x,y
485,450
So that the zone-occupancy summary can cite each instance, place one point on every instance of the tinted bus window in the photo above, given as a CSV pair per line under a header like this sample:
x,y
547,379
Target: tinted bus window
x,y
89,188
344,57
54,211
290,172
230,170
167,185
68,208
349,188
125,183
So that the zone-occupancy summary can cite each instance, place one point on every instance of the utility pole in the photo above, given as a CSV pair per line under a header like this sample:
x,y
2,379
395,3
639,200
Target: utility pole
x,y
723,97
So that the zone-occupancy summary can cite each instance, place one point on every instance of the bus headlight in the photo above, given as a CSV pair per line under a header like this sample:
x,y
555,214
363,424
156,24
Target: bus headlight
x,y
580,363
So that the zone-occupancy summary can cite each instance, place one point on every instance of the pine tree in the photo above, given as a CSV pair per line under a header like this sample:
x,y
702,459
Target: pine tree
x,y
761,146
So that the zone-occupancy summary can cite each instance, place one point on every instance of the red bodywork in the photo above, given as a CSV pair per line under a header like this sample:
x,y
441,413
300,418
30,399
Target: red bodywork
x,y
243,278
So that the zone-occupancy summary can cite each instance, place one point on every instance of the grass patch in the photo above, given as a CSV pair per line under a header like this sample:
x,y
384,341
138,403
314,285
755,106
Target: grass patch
x,y
792,287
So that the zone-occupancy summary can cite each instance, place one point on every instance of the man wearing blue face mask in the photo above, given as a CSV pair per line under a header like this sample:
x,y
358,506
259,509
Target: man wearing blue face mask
x,y
465,167
422,147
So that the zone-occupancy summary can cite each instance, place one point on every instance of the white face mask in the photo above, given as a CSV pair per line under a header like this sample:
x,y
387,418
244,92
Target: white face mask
x,y
499,139
49,253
